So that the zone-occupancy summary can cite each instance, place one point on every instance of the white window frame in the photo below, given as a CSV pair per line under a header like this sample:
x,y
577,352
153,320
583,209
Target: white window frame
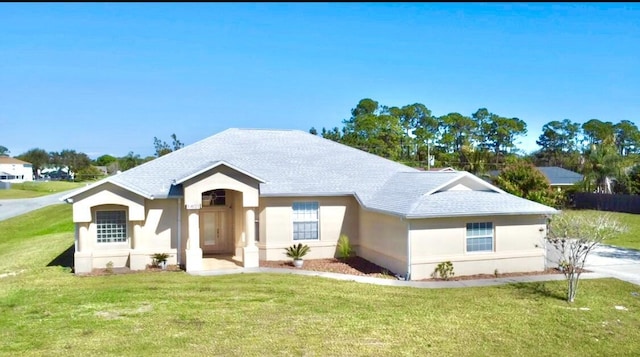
x,y
303,217
488,231
109,239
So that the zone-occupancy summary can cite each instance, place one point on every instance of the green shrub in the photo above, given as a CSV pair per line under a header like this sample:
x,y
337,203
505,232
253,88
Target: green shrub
x,y
345,250
159,258
296,252
444,270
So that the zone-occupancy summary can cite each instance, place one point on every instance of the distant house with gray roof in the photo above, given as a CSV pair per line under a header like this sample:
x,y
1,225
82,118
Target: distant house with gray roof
x,y
559,178
244,195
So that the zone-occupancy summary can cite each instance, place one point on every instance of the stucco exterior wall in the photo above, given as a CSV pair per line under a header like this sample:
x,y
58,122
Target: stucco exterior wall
x,y
222,177
518,245
337,215
383,240
107,194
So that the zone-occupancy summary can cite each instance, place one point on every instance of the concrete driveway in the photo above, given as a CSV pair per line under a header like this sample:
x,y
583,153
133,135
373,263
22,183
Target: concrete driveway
x,y
619,263
16,207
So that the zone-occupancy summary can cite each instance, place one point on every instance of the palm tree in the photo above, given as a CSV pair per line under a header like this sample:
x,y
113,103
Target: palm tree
x,y
602,164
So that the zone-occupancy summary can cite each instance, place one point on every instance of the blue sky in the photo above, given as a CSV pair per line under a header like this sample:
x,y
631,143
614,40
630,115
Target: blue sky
x,y
105,78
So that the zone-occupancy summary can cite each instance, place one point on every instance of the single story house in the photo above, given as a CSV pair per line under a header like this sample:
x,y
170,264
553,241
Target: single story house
x,y
247,194
559,177
14,170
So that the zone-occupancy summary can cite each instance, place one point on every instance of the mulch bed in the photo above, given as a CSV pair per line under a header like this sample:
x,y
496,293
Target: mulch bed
x,y
351,266
361,266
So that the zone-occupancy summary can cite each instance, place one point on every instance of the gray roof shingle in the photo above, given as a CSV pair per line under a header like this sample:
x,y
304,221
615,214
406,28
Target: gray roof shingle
x,y
559,175
296,163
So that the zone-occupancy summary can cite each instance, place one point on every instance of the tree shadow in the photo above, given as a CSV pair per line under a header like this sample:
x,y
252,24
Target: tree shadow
x,y
539,289
618,253
64,259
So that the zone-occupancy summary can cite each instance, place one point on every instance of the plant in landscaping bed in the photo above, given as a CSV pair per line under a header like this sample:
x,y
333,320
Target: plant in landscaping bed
x,y
345,250
159,260
444,270
296,252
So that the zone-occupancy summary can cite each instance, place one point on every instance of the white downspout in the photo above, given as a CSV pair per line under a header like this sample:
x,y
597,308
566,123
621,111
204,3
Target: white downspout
x,y
179,255
408,276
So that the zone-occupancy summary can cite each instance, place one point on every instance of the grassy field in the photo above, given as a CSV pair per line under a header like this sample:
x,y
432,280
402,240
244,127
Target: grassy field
x,y
628,239
32,189
46,310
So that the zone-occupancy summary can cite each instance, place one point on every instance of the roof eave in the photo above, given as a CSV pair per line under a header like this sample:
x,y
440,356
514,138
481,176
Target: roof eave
x,y
213,166
73,194
477,214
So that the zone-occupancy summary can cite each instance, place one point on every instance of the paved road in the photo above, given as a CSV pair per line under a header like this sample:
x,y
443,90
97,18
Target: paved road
x,y
620,263
16,207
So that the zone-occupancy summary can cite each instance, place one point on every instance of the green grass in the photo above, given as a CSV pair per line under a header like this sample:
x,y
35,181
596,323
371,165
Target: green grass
x,y
628,239
32,189
46,310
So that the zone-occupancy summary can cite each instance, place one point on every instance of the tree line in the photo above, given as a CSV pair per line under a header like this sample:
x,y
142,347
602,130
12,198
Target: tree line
x,y
484,141
83,168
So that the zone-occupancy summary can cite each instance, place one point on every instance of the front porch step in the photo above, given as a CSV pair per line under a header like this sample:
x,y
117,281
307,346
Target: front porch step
x,y
220,263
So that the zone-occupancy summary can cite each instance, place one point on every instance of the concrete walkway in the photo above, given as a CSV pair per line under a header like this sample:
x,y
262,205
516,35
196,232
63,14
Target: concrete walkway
x,y
15,207
394,282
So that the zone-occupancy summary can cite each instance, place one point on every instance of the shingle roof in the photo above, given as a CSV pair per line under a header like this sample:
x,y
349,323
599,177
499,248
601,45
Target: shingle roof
x,y
560,176
12,160
296,163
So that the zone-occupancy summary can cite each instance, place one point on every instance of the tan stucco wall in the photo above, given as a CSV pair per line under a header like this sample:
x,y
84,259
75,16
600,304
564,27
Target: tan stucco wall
x,y
338,215
222,177
156,234
518,245
107,194
159,228
383,240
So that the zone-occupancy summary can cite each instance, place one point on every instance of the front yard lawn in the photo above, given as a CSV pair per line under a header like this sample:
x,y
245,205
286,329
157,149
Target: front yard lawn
x,y
46,310
32,189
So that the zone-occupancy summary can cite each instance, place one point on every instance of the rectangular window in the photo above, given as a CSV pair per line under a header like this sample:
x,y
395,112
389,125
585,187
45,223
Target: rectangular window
x,y
480,237
305,220
111,226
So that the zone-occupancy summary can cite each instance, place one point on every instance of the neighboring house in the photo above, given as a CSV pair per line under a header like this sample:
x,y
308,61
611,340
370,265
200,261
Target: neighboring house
x,y
57,174
14,170
247,194
559,178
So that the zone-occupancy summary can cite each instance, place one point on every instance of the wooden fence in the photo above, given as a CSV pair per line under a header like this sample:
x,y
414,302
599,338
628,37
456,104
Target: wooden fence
x,y
607,202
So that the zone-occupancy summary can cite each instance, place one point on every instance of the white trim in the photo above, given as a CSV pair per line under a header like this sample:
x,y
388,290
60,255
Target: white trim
x,y
213,166
100,183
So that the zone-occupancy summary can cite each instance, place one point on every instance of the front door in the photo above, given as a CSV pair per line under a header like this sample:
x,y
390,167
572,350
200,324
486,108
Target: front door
x,y
215,237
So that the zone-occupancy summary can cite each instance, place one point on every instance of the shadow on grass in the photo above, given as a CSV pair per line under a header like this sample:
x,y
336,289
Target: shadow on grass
x,y
65,259
539,289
